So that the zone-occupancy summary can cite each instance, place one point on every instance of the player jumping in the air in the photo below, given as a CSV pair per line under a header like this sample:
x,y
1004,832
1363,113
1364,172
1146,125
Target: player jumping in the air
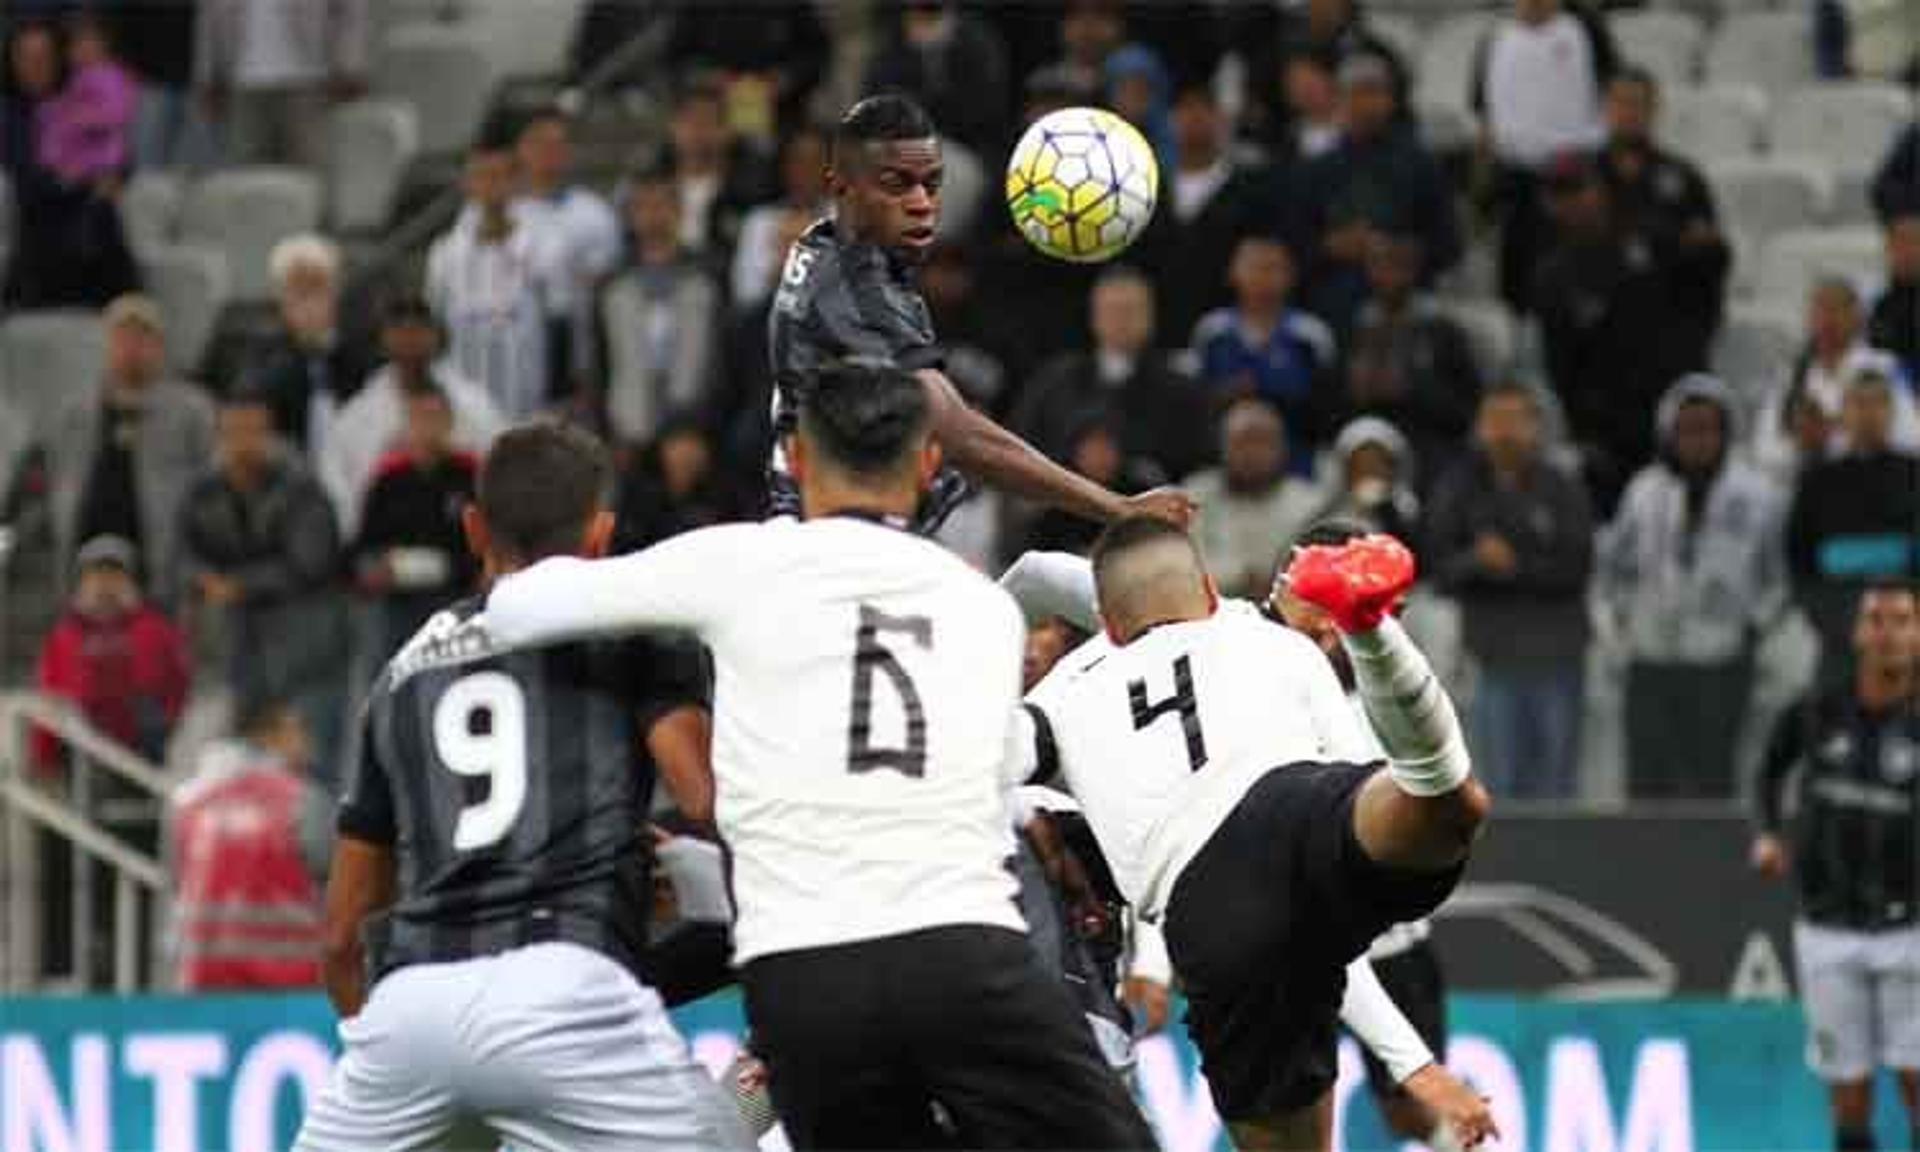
x,y
868,695
489,880
847,290
1204,745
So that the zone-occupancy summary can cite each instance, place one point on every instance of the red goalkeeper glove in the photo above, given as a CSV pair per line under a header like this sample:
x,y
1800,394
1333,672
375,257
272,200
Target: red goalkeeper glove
x,y
1356,583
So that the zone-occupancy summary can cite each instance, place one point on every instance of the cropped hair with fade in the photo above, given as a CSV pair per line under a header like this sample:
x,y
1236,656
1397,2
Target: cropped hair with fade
x,y
864,413
540,485
1132,532
877,119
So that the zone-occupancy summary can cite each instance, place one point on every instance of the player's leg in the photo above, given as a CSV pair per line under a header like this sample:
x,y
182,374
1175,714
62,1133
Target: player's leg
x,y
392,1086
1837,997
1896,984
837,1072
1004,1049
570,1052
1308,1129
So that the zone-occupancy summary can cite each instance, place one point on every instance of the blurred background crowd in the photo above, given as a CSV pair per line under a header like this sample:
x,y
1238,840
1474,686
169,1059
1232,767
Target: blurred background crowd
x,y
1612,311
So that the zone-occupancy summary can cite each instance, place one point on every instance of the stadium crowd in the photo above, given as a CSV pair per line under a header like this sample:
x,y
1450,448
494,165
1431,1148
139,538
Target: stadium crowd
x,y
1481,299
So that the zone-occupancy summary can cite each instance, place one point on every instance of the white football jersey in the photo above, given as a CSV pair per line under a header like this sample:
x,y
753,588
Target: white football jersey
x,y
1161,738
867,688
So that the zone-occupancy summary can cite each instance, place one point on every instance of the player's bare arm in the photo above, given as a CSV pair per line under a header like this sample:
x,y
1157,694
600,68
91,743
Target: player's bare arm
x,y
680,743
359,884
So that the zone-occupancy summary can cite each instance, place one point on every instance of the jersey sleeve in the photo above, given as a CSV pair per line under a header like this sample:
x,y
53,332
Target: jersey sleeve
x,y
366,806
859,314
685,583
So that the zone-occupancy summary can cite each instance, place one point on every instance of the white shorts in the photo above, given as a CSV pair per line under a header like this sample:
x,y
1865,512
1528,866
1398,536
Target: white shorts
x,y
552,1047
1861,993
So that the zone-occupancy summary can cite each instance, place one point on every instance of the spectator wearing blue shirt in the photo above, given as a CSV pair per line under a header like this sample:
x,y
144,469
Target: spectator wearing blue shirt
x,y
1263,346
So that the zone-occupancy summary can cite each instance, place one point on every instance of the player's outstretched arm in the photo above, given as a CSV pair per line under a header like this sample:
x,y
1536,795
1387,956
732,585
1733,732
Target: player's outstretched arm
x,y
685,582
359,883
1425,810
983,449
1054,584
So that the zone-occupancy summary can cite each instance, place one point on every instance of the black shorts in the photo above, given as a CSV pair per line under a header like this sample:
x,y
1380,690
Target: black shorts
x,y
1262,924
863,1040
1414,983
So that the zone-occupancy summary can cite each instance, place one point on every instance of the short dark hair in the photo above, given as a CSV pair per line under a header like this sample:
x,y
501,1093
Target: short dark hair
x,y
409,308
541,483
245,393
877,119
1637,74
1331,532
1131,532
541,113
864,413
1512,390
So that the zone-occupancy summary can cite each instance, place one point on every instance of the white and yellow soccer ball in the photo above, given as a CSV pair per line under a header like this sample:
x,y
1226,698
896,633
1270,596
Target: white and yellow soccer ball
x,y
1081,184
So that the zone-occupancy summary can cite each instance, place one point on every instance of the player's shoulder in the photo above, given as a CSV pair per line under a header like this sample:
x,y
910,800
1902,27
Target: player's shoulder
x,y
456,634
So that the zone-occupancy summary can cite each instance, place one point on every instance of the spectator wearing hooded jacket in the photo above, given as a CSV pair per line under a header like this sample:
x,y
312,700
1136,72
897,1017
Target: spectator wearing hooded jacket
x,y
1375,484
1691,566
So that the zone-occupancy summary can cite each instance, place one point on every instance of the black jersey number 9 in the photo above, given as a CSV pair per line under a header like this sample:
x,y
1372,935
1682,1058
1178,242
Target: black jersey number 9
x,y
1182,701
870,656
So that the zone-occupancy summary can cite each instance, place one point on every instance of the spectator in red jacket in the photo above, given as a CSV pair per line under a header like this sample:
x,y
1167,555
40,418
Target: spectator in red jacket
x,y
117,659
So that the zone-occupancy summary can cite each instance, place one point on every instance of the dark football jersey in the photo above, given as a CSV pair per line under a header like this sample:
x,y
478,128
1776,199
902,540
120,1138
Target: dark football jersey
x,y
512,786
838,299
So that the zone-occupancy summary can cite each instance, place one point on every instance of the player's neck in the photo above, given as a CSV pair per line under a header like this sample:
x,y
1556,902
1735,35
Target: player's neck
x,y
824,498
1883,687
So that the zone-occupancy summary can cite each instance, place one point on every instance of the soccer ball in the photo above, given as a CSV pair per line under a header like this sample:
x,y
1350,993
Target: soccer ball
x,y
1081,184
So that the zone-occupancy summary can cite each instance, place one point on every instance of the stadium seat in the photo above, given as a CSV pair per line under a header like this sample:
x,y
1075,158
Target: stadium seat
x,y
1665,43
444,71
51,357
1400,34
522,38
1851,124
373,142
1445,70
190,285
244,212
1755,349
1771,49
1791,261
1444,127
150,208
1490,329
1715,122
1770,194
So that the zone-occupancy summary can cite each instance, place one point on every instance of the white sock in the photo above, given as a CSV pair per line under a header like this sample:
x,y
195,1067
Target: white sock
x,y
1443,1139
1410,712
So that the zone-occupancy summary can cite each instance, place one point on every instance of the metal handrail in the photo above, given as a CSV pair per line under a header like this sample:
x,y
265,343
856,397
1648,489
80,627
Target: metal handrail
x,y
71,727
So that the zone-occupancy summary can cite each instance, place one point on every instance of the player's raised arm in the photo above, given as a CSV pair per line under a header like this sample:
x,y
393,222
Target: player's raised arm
x,y
684,582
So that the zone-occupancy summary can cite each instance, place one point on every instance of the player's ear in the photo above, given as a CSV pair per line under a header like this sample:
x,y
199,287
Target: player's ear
x,y
799,461
474,527
1112,630
930,459
597,541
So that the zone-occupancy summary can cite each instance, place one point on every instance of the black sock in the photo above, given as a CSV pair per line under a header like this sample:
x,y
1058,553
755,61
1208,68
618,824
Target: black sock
x,y
1853,1139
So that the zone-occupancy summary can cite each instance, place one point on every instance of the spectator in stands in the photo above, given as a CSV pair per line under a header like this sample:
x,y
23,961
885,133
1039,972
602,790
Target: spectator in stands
x,y
1836,351
1690,569
1094,450
1895,324
262,554
1896,185
120,462
954,63
719,177
269,71
69,249
773,57
1158,412
1311,91
1264,346
1138,88
1855,517
1250,507
1409,363
114,657
1655,193
660,318
583,229
310,364
411,556
1621,318
1090,31
1267,36
1379,178
975,333
1337,30
1375,476
1210,199
673,486
1512,538
490,278
249,839
85,131
374,421
768,230
1537,86
156,41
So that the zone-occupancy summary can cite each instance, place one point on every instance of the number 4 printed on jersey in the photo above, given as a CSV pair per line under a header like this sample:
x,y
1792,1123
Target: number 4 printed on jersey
x,y
1182,701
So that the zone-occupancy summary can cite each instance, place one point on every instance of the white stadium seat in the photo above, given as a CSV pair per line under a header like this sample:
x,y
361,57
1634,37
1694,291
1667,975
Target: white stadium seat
x,y
150,208
1769,194
244,212
1400,34
1490,329
1851,124
1665,43
1771,49
52,359
1715,122
189,283
447,75
1792,261
372,143
523,37
1756,347
1445,69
